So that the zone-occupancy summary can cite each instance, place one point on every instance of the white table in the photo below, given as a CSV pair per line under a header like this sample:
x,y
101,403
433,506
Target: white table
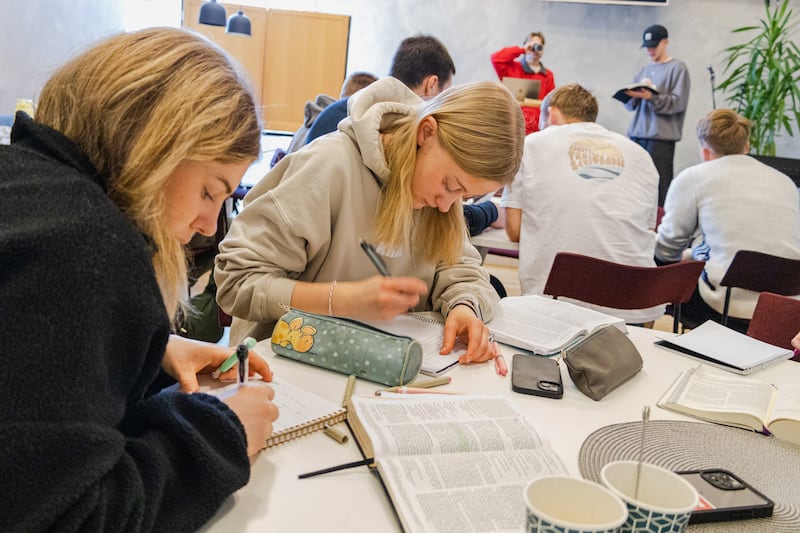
x,y
354,500
494,238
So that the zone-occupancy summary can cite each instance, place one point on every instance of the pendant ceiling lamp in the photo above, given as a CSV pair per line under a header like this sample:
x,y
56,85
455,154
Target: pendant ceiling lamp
x,y
214,14
239,23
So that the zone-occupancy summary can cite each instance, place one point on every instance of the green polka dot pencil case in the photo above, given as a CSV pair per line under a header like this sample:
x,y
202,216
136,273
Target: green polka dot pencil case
x,y
348,347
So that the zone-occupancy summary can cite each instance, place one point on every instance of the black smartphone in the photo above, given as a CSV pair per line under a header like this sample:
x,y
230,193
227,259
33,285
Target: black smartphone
x,y
725,496
533,374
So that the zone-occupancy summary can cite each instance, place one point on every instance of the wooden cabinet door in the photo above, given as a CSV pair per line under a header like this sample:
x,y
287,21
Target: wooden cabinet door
x,y
291,57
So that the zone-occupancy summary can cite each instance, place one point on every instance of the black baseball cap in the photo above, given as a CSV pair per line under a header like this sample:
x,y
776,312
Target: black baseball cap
x,y
653,35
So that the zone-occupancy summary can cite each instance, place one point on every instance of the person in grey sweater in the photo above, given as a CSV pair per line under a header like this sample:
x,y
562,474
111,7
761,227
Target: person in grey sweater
x,y
657,122
394,174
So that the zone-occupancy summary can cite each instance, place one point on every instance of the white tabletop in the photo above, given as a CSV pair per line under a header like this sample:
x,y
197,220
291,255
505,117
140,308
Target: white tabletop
x,y
494,238
354,500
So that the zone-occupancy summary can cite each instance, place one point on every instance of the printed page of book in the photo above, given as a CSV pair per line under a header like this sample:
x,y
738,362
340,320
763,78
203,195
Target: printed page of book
x,y
439,425
545,325
721,397
785,419
465,491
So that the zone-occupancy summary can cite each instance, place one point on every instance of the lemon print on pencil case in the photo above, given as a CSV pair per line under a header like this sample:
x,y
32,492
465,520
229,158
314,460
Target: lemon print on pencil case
x,y
294,333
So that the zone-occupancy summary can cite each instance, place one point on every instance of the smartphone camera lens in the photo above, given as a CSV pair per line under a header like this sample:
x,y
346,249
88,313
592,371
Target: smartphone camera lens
x,y
722,480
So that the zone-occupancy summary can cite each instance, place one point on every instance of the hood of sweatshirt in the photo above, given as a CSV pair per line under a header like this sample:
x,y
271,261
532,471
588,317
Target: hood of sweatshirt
x,y
372,107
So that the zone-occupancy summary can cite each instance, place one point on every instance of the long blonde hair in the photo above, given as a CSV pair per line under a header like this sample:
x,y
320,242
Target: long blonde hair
x,y
481,127
138,104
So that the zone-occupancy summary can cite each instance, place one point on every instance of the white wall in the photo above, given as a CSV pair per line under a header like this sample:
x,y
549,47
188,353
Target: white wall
x,y
596,45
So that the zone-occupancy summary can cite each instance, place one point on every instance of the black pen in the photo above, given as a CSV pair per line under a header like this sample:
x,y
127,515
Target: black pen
x,y
241,355
375,258
336,468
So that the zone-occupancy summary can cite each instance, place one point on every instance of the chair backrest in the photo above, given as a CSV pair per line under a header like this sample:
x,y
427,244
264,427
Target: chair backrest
x,y
601,282
757,271
776,319
760,272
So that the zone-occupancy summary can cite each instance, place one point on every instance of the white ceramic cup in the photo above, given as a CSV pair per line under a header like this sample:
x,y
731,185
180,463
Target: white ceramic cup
x,y
560,504
664,501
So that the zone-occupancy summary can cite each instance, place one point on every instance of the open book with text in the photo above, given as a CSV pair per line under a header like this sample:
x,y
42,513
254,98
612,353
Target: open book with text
x,y
623,97
544,325
455,463
716,396
725,348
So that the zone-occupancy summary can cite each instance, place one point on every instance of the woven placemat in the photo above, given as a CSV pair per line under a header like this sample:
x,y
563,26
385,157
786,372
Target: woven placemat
x,y
768,464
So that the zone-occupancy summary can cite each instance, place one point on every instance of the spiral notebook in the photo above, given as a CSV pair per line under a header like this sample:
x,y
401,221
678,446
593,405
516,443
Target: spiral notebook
x,y
301,412
428,329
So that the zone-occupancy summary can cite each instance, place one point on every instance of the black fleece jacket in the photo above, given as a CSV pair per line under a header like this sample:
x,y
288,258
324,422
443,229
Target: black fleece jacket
x,y
83,446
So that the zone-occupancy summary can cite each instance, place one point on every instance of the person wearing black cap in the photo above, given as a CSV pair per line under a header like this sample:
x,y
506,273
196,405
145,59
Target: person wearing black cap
x,y
658,116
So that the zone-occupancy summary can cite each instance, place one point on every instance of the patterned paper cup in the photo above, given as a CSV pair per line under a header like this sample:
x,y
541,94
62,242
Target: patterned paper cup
x,y
556,504
664,501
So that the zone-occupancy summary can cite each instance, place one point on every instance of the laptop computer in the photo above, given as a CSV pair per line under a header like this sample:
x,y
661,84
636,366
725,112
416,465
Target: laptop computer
x,y
522,88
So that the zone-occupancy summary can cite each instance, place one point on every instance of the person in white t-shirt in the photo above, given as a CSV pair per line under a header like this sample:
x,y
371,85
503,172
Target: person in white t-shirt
x,y
582,189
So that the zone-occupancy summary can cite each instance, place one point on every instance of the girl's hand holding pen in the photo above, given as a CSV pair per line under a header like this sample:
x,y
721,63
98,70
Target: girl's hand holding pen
x,y
185,358
377,297
252,403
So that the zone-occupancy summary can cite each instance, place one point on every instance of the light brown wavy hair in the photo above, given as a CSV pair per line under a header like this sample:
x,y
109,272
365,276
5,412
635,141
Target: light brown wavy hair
x,y
482,129
138,104
724,131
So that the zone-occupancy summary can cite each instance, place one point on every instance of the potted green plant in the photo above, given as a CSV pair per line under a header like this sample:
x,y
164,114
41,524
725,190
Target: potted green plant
x,y
764,72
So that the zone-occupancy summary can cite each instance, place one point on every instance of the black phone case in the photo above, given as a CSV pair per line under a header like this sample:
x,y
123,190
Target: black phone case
x,y
533,374
720,504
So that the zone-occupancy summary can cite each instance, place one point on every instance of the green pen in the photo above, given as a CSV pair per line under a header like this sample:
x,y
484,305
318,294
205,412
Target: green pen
x,y
226,365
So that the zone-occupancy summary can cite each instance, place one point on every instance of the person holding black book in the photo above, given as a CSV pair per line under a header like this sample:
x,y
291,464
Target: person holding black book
x,y
658,117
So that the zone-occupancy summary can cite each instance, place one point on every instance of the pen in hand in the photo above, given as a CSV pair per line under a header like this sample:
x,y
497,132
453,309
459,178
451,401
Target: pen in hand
x,y
375,258
241,356
228,363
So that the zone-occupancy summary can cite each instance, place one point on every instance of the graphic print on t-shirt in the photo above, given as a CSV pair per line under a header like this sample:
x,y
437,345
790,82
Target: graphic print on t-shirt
x,y
595,159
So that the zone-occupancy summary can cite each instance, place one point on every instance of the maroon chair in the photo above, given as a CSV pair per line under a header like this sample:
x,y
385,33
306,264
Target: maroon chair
x,y
776,320
601,282
757,271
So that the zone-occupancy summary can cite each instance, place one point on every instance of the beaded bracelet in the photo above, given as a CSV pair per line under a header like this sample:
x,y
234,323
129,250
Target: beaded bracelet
x,y
330,298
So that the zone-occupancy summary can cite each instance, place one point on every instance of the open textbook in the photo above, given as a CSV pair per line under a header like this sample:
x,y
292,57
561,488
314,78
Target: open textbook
x,y
623,97
716,396
544,325
725,348
455,463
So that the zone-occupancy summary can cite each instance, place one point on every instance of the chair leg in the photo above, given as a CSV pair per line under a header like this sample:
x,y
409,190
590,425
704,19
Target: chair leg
x,y
676,317
725,308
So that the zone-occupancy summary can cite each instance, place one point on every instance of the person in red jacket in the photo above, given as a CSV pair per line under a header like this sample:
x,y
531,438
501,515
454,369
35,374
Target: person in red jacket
x,y
526,62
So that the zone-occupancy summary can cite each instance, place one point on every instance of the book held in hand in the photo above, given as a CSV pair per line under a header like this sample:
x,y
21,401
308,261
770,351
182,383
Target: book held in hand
x,y
455,463
623,97
544,325
725,348
747,403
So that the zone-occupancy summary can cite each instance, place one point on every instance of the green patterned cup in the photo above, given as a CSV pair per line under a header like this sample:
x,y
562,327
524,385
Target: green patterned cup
x,y
664,502
556,504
